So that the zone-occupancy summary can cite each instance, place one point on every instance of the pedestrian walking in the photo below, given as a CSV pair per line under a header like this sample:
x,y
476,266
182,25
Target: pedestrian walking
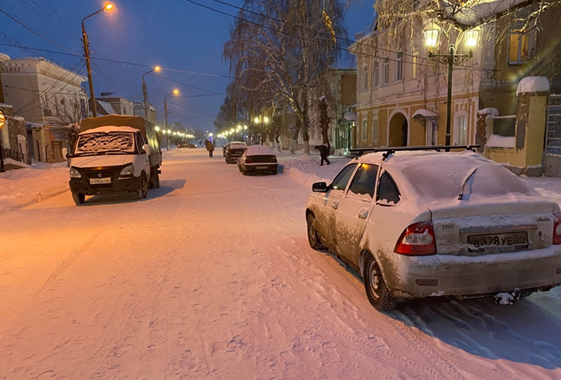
x,y
323,152
209,146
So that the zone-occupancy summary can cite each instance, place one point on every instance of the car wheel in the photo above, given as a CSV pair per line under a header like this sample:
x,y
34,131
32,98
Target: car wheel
x,y
244,171
156,181
313,237
79,198
275,171
240,168
142,192
376,289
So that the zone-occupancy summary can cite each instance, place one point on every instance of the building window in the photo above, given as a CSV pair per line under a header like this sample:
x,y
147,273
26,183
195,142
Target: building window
x,y
519,47
375,74
386,70
460,131
365,78
365,130
399,67
375,131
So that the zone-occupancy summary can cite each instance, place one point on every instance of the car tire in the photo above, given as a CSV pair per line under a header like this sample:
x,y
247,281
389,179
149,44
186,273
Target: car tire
x,y
244,171
313,237
275,171
376,289
79,198
240,168
154,178
142,192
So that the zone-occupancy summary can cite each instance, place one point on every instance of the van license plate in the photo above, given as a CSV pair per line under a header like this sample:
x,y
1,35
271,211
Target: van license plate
x,y
261,167
99,181
513,239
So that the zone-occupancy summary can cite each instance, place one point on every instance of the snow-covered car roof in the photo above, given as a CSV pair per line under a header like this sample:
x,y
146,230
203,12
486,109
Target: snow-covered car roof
x,y
237,145
443,176
110,128
258,150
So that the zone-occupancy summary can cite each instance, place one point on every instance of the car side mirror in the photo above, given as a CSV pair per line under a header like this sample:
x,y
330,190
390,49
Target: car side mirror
x,y
319,187
146,148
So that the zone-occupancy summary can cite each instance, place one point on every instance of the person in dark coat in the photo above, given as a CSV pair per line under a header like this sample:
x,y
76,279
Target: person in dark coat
x,y
323,152
210,147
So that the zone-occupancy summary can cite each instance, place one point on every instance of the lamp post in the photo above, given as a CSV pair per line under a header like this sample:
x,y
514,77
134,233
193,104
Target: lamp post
x,y
107,7
145,90
451,59
175,92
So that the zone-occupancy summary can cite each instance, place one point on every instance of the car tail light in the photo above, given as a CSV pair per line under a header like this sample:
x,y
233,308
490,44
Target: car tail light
x,y
248,160
417,239
273,159
556,228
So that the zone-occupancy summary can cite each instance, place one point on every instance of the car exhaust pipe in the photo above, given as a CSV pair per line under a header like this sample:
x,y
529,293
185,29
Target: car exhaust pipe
x,y
505,298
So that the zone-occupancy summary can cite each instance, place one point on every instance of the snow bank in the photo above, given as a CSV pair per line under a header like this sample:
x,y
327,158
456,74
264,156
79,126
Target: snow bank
x,y
496,141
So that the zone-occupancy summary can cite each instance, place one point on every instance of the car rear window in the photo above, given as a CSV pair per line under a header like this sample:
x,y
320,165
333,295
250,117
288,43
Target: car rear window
x,y
446,180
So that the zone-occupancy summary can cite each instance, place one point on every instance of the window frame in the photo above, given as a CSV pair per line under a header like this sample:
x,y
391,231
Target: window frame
x,y
376,74
399,66
386,71
353,167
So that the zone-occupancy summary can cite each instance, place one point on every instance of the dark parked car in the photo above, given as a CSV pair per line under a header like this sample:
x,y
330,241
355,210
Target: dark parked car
x,y
186,145
258,158
234,150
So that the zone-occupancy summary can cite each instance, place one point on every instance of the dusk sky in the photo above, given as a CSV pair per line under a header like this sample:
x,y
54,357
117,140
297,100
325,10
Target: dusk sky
x,y
184,37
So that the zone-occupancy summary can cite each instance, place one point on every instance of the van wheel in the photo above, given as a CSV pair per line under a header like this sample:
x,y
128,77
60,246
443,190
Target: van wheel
x,y
376,290
155,178
79,198
142,192
313,237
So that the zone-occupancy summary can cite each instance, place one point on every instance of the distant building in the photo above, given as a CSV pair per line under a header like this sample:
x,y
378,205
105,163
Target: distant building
x,y
110,105
49,98
139,111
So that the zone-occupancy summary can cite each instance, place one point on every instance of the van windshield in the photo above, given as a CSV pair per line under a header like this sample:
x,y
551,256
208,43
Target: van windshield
x,y
105,142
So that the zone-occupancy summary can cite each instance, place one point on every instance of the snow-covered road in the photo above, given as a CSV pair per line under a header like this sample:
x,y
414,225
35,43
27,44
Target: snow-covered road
x,y
211,277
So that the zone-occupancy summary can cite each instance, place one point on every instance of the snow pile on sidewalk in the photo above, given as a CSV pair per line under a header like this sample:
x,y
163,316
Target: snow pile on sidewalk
x,y
306,169
22,187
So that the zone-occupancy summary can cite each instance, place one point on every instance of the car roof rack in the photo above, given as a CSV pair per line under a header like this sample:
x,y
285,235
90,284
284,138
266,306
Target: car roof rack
x,y
357,152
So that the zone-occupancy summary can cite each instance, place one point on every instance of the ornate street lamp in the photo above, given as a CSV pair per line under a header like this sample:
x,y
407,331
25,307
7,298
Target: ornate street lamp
x,y
431,35
145,90
175,92
107,7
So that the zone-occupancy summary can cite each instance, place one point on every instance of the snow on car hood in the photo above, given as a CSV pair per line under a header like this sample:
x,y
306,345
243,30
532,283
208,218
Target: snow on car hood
x,y
104,160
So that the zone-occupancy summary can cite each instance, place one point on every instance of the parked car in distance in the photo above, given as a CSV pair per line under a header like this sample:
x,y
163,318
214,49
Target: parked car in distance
x,y
429,224
233,151
185,144
258,158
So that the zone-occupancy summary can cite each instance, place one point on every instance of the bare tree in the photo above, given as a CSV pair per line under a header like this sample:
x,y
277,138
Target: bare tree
x,y
278,51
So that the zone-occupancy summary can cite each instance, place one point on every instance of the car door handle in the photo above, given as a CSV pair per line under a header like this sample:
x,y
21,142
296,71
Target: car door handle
x,y
363,214
335,205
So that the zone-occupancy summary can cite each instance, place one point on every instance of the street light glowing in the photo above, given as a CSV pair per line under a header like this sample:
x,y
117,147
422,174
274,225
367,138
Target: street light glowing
x,y
108,6
431,37
265,120
157,128
256,120
471,38
157,69
176,92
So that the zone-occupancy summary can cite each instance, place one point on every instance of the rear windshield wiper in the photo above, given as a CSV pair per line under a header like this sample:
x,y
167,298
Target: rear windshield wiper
x,y
464,184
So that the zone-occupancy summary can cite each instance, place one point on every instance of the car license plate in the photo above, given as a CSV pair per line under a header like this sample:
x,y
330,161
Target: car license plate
x,y
261,167
512,240
99,181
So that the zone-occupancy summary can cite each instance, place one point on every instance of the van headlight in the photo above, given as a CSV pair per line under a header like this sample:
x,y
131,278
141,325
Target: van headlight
x,y
74,173
127,171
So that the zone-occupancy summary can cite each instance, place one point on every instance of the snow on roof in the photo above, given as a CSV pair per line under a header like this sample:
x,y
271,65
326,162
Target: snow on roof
x,y
488,111
256,150
432,178
106,106
424,114
533,84
110,128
